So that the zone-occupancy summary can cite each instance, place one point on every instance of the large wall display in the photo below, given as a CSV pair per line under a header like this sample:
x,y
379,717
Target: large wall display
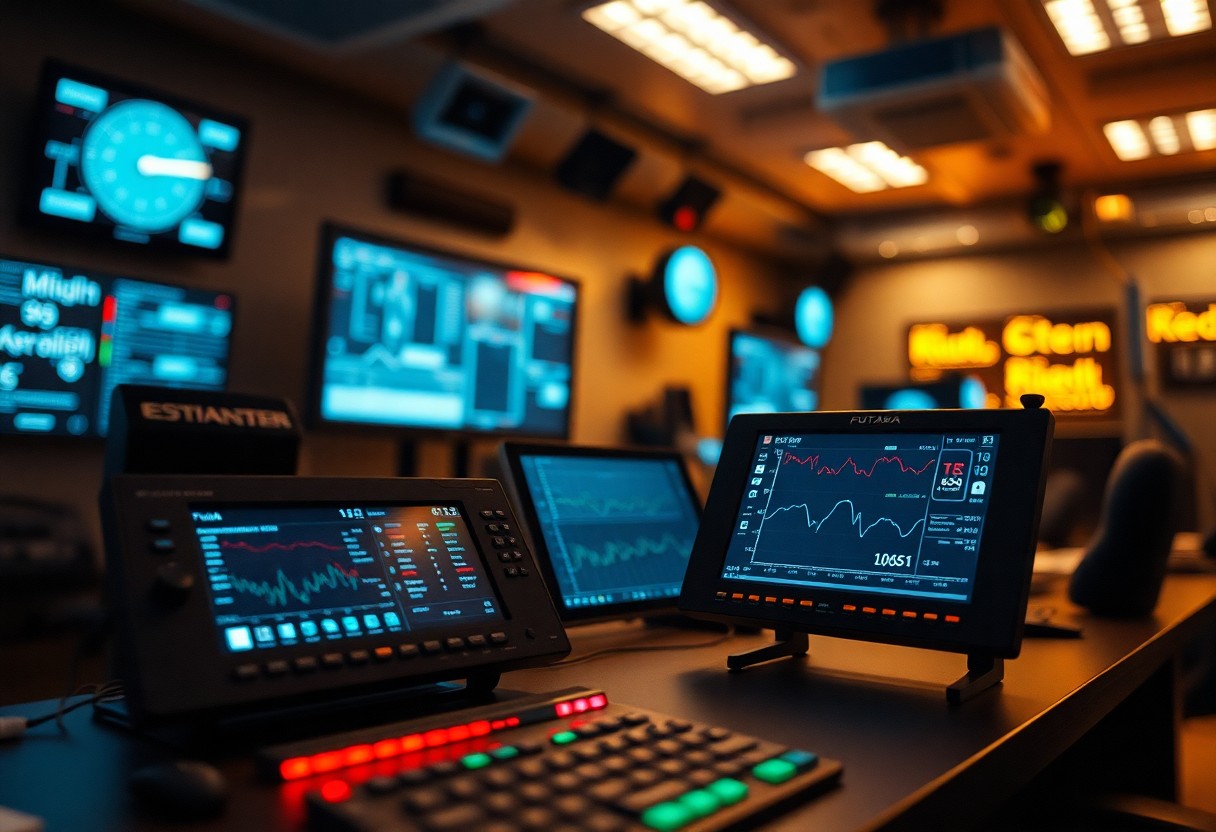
x,y
1184,335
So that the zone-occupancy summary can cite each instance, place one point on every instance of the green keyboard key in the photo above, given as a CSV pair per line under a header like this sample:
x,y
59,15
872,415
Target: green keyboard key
x,y
563,738
729,790
475,761
700,802
665,817
774,771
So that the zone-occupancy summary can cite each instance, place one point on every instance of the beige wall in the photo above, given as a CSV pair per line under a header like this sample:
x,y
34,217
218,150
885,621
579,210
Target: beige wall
x,y
880,301
318,154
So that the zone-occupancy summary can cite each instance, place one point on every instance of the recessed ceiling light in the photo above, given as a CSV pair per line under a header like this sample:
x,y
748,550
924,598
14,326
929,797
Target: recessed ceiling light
x,y
867,167
1088,26
1164,135
694,40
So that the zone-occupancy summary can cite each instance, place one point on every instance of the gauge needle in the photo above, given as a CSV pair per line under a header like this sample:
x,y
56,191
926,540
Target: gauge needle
x,y
149,165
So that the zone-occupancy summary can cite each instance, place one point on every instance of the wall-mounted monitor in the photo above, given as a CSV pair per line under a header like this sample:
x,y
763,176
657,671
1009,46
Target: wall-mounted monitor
x,y
69,336
966,392
116,160
408,337
769,371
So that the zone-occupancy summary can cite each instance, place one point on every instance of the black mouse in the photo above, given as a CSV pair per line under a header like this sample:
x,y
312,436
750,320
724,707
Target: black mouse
x,y
181,789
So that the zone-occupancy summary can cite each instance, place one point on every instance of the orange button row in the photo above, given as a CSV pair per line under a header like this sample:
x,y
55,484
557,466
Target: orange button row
x,y
888,612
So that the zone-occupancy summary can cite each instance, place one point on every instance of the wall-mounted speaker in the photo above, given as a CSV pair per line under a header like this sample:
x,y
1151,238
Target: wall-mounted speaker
x,y
443,202
685,208
471,112
594,164
1121,574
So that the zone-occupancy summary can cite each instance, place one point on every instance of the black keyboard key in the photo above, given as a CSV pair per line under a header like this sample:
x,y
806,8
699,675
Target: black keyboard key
x,y
462,816
639,801
421,801
504,804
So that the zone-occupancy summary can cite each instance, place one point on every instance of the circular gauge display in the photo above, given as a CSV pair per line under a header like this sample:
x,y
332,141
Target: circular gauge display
x,y
813,317
690,284
145,166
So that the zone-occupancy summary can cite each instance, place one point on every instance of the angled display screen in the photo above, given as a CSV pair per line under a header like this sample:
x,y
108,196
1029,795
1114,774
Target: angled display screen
x,y
894,514
116,160
282,576
414,338
68,337
770,373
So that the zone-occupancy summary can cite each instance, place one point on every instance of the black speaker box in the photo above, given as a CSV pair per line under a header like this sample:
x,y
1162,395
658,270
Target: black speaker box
x,y
1121,574
443,202
471,112
157,430
686,207
594,164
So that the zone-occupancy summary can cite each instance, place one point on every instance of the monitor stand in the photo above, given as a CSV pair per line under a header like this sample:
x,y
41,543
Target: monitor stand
x,y
983,671
407,458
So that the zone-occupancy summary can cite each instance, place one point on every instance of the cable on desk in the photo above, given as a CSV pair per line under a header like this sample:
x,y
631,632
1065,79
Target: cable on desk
x,y
651,648
13,727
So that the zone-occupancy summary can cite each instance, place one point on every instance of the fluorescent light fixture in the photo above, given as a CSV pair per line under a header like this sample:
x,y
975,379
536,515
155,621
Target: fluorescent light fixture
x,y
1088,26
867,167
693,40
1164,135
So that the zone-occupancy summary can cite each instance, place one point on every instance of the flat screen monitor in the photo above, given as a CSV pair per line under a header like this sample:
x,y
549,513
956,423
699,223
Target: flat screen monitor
x,y
407,337
770,372
964,391
69,336
910,527
611,528
116,160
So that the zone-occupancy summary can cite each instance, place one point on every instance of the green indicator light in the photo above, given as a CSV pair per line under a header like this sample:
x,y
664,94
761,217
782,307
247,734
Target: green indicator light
x,y
104,352
475,761
505,753
445,527
728,790
665,817
563,738
774,771
700,802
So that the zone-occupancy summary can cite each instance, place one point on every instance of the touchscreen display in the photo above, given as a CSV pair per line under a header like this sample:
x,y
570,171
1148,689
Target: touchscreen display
x,y
900,514
616,530
284,576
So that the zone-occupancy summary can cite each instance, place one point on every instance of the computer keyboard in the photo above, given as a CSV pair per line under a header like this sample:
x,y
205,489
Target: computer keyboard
x,y
574,762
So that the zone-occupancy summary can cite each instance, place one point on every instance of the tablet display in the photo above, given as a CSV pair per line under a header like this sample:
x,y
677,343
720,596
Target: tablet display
x,y
612,528
914,528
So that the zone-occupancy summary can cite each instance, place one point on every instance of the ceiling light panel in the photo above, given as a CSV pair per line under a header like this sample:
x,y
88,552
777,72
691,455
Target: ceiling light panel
x,y
694,40
1165,135
867,167
1088,26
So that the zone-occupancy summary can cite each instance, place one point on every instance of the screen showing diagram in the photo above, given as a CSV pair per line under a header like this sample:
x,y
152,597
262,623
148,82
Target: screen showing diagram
x,y
889,513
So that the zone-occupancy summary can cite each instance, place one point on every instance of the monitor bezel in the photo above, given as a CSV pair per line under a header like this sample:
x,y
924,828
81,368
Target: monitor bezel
x,y
510,458
768,333
330,230
108,279
990,624
39,126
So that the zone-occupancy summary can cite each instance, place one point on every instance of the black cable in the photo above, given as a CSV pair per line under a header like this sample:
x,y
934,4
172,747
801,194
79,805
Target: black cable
x,y
642,648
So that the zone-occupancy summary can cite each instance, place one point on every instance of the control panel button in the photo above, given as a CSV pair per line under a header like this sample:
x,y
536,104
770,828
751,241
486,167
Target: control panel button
x,y
407,651
498,638
454,643
278,667
476,641
158,525
382,654
245,672
432,646
163,546
487,514
332,659
358,657
305,664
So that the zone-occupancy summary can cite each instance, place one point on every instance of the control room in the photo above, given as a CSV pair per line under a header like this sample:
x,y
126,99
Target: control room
x,y
607,414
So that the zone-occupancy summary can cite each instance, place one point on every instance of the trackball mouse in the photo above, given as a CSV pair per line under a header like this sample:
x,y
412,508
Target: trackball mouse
x,y
181,789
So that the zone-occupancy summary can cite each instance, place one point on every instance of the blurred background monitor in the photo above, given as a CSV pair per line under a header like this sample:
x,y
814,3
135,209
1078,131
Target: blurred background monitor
x,y
69,336
770,371
115,160
951,392
407,337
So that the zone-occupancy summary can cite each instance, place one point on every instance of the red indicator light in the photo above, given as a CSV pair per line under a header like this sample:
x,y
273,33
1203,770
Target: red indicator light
x,y
109,309
438,736
481,727
685,218
498,724
458,733
386,748
356,754
295,768
580,706
598,701
564,708
335,791
512,721
327,761
413,742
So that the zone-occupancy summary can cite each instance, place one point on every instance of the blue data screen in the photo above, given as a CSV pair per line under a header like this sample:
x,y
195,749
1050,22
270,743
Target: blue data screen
x,y
616,530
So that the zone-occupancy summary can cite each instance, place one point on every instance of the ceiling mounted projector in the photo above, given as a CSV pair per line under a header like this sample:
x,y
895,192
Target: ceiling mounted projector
x,y
972,86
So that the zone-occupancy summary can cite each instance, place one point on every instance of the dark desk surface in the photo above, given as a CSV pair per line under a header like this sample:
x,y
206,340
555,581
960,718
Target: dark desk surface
x,y
911,760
